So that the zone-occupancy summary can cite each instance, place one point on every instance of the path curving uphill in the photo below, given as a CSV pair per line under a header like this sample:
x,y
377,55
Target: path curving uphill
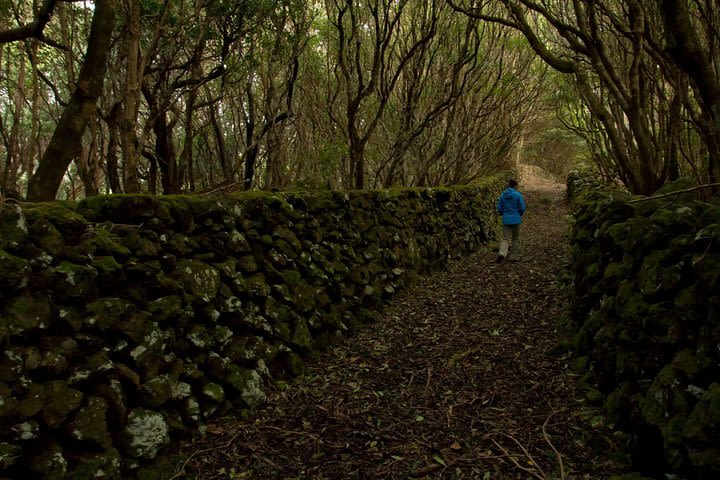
x,y
455,380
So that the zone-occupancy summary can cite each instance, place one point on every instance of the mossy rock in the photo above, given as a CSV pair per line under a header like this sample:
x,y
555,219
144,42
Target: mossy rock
x,y
89,424
157,391
65,220
8,404
94,366
26,312
213,392
13,226
165,308
108,243
47,237
145,434
73,281
705,459
707,269
106,312
667,404
9,454
93,466
198,278
248,384
123,209
61,400
49,462
301,335
14,271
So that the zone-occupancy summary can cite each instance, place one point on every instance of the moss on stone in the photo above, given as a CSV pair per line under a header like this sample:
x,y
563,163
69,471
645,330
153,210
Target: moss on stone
x,y
61,400
89,424
26,312
63,217
14,271
198,278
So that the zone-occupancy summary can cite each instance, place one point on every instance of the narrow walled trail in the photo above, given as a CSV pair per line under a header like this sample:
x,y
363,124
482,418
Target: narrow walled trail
x,y
455,380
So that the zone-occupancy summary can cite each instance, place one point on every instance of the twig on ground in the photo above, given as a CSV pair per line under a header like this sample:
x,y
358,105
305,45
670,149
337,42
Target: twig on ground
x,y
536,472
557,454
180,471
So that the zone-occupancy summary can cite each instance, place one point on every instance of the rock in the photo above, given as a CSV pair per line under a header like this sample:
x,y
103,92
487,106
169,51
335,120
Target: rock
x,y
144,435
27,312
301,335
9,455
107,243
60,400
13,226
25,431
165,308
106,312
32,402
248,384
14,271
247,264
47,237
7,404
100,466
73,281
113,393
89,424
157,391
257,285
91,368
213,392
198,278
199,337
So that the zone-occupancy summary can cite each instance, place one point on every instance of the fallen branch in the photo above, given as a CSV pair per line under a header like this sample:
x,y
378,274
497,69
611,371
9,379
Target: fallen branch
x,y
557,454
532,472
686,190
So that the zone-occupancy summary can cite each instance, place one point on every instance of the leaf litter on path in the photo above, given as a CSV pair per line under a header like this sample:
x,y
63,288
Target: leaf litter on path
x,y
455,380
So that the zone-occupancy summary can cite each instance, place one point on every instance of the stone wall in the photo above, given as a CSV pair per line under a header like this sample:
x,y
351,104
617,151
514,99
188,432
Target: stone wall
x,y
130,320
646,308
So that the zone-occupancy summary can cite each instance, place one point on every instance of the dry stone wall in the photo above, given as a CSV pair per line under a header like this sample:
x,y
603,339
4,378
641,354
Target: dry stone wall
x,y
128,321
646,308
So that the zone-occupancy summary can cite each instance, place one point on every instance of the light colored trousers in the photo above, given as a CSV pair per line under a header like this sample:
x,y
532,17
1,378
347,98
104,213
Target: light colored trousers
x,y
508,232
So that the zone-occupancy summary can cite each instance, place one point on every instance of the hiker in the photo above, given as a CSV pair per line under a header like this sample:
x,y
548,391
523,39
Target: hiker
x,y
511,206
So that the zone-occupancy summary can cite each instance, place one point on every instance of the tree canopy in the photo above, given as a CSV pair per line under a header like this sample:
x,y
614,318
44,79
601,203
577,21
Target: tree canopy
x,y
170,96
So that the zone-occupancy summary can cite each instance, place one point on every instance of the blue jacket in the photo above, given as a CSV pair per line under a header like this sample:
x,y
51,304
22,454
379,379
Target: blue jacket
x,y
511,205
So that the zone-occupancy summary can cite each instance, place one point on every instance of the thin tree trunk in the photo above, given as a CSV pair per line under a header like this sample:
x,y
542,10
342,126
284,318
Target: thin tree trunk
x,y
65,141
132,96
13,147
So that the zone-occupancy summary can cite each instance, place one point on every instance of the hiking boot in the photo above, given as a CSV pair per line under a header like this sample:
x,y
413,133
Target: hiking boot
x,y
499,259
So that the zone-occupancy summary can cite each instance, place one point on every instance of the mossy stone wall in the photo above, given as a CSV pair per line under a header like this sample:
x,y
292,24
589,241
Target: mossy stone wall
x,y
127,321
647,310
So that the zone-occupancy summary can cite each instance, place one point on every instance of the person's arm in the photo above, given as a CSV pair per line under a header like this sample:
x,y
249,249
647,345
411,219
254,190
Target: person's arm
x,y
521,205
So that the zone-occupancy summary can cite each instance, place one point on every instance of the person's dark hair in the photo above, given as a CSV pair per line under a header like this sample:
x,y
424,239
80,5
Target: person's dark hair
x,y
512,183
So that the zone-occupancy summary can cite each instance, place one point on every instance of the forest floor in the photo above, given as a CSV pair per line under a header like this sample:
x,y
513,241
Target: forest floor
x,y
458,378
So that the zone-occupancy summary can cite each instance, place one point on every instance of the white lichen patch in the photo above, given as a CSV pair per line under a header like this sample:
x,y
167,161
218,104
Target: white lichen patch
x,y
147,433
254,393
27,431
137,352
181,390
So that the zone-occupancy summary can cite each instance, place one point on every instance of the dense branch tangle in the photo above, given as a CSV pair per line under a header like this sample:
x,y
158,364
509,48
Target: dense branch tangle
x,y
208,95
628,82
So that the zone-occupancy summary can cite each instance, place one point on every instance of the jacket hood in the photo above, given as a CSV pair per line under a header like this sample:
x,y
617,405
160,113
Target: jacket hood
x,y
508,192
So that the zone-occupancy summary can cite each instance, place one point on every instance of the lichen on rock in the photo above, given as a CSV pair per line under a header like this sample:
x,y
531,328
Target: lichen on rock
x,y
145,434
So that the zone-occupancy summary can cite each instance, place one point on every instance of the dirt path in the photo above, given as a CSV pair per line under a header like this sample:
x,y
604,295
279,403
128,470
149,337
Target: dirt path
x,y
455,380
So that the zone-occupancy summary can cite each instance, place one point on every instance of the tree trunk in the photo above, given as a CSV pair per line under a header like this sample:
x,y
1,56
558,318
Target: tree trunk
x,y
113,177
132,97
67,137
13,146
